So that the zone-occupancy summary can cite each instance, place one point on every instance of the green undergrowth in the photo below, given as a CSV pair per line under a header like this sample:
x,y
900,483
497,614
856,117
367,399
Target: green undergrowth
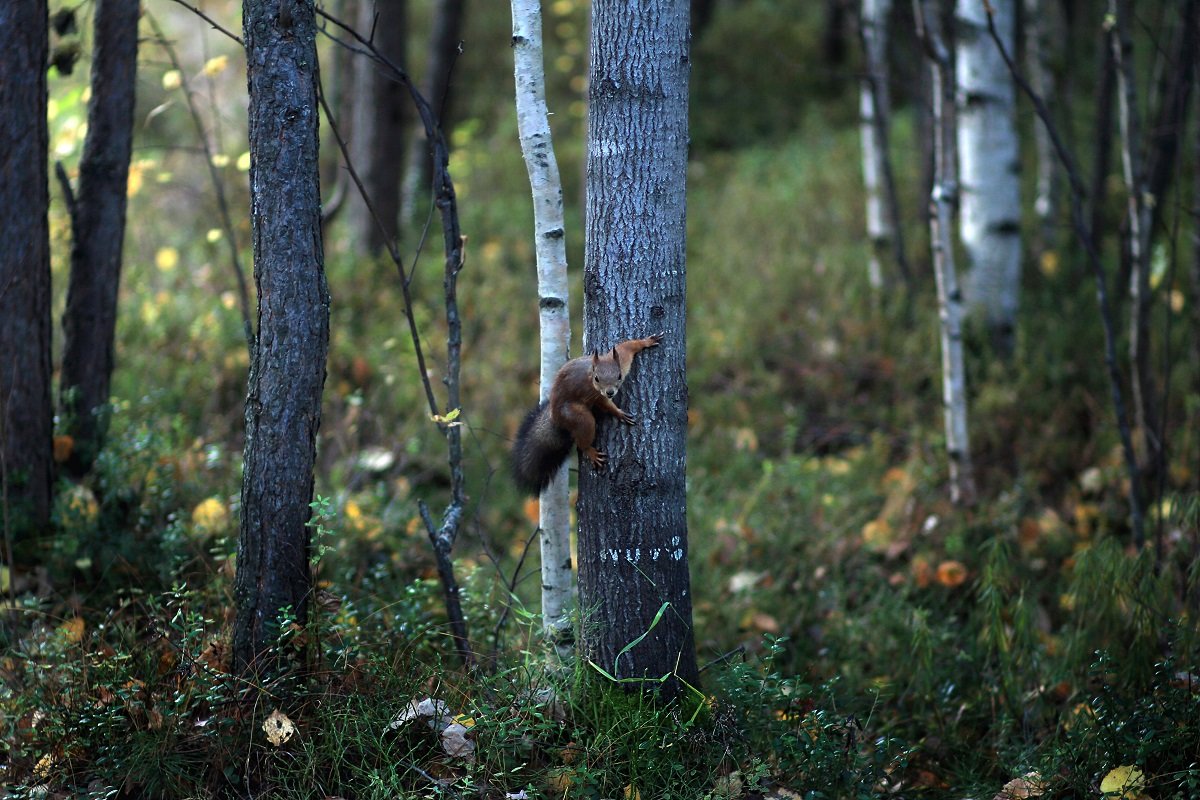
x,y
862,636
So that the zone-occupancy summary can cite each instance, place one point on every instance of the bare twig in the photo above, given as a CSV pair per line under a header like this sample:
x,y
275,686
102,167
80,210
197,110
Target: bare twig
x,y
1084,234
443,536
216,25
218,185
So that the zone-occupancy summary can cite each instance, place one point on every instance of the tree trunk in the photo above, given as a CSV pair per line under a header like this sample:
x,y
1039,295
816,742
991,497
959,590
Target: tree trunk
x,y
287,373
954,383
444,42
883,218
633,568
1102,134
990,226
26,464
1138,221
379,127
98,230
1042,37
537,146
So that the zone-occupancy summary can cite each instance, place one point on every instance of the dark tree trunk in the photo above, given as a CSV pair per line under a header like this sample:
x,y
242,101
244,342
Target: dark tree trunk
x,y
444,41
98,230
379,127
702,14
632,514
1176,90
26,464
287,372
1102,155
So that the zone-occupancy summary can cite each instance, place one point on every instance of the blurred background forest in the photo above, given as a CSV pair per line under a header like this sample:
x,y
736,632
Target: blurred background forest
x,y
864,635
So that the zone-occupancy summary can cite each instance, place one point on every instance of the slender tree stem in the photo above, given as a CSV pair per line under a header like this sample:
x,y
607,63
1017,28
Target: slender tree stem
x,y
1084,234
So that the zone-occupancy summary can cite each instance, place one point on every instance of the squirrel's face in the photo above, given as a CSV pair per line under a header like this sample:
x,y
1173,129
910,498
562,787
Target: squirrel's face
x,y
606,381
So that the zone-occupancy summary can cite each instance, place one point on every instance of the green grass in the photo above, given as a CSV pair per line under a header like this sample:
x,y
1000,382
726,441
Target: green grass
x,y
863,635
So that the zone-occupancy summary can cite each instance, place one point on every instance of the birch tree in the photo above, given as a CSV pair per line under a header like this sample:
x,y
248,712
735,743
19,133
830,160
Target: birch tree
x,y
634,588
537,146
954,383
987,149
1043,35
26,466
883,228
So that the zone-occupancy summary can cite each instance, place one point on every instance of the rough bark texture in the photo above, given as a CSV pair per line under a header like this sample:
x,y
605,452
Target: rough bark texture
x,y
98,231
379,126
287,373
537,146
632,514
990,224
954,383
26,466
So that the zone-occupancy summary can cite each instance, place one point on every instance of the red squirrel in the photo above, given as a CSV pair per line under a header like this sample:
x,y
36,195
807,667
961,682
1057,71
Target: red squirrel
x,y
582,388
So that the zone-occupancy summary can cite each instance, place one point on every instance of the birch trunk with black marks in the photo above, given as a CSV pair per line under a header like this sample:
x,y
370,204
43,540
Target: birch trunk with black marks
x,y
634,588
26,413
873,109
990,221
941,214
98,233
1145,439
287,371
537,146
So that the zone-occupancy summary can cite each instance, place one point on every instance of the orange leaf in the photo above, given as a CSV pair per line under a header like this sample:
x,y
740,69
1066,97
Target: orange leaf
x,y
63,447
951,573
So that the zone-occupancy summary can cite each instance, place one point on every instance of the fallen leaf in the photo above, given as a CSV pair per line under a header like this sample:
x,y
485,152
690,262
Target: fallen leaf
x,y
456,744
1124,783
433,712
951,573
1026,787
278,728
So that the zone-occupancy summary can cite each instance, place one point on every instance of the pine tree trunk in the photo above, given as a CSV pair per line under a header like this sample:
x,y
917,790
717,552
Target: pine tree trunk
x,y
287,373
954,383
379,127
537,146
26,465
633,569
98,230
990,224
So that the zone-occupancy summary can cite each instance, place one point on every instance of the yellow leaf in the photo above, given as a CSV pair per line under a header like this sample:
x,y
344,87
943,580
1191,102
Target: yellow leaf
x,y
210,515
171,79
135,181
216,65
166,259
243,162
1124,783
220,160
5,579
214,235
72,630
278,728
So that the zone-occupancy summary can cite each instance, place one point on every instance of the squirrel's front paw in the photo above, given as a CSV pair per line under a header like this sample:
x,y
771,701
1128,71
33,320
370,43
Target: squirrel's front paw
x,y
627,418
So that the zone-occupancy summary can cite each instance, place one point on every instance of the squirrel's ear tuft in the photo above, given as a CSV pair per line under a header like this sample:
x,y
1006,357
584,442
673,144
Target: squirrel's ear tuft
x,y
595,358
614,354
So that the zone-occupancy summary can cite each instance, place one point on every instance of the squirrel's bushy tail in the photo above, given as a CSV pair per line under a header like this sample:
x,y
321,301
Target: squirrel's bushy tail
x,y
539,451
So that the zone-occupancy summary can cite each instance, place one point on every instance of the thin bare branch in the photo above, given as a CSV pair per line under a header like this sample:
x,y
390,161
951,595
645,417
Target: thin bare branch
x,y
1084,234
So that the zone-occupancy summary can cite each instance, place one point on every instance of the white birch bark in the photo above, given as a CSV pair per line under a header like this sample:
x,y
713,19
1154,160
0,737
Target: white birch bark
x,y
1139,231
533,124
988,166
950,311
873,94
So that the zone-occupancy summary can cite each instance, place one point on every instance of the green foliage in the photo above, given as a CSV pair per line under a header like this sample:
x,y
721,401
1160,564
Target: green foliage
x,y
867,636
